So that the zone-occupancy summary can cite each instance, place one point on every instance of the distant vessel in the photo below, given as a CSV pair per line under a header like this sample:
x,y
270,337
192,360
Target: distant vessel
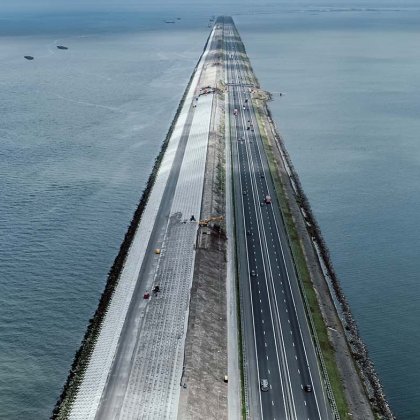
x,y
169,21
62,47
28,57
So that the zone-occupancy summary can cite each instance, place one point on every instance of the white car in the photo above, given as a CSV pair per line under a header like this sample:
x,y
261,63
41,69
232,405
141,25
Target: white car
x,y
264,385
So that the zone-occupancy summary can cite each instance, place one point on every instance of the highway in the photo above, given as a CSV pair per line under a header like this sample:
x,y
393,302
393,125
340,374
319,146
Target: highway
x,y
276,338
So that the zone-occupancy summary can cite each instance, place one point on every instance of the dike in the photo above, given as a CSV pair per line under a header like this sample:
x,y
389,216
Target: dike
x,y
82,355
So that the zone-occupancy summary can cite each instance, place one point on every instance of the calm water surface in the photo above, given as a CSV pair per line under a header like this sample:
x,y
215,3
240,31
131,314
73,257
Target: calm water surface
x,y
79,130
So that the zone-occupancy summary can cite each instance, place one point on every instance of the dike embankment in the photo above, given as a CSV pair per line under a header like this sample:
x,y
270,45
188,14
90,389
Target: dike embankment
x,y
82,355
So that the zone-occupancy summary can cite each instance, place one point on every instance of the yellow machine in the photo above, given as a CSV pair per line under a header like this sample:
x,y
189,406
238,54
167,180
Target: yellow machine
x,y
205,222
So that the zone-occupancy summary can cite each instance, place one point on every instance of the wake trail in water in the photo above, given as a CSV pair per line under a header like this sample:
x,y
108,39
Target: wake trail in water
x,y
108,108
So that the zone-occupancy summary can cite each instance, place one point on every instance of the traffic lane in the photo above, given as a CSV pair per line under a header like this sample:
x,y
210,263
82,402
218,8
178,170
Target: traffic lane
x,y
273,405
241,113
238,106
309,367
251,360
302,357
283,291
299,354
296,358
244,160
255,380
268,365
282,345
272,321
266,341
279,271
261,360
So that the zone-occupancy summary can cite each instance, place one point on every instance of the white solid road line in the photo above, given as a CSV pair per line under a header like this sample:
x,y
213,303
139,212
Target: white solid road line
x,y
249,281
261,235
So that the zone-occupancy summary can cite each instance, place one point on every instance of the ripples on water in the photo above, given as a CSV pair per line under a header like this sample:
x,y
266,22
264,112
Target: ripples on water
x,y
79,131
350,118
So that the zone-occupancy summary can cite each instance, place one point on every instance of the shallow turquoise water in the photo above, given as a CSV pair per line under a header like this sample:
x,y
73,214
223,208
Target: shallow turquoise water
x,y
79,131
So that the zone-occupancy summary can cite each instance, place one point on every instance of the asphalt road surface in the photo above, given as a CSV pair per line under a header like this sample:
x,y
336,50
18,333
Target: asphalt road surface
x,y
277,341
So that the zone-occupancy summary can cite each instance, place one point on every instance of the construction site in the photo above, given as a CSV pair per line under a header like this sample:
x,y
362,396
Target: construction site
x,y
168,340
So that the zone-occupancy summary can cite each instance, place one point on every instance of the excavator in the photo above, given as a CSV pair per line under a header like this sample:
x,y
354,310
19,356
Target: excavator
x,y
205,222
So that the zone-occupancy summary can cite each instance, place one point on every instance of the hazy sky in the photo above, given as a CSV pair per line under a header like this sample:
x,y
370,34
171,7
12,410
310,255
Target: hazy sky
x,y
171,5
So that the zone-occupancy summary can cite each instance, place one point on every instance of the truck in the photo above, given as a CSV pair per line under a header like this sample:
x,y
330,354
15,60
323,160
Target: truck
x,y
235,112
267,199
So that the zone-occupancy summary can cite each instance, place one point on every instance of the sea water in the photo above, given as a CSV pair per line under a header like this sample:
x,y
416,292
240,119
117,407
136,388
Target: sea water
x,y
79,132
80,128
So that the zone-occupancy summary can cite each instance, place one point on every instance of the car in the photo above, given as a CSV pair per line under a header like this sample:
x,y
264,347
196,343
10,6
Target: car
x,y
253,274
244,192
248,233
308,388
262,204
264,385
262,176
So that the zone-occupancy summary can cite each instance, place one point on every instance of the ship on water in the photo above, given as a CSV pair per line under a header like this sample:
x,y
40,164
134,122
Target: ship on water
x,y
62,47
28,57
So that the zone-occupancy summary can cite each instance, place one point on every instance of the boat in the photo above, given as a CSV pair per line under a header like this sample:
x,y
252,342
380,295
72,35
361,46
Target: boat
x,y
169,21
28,57
62,47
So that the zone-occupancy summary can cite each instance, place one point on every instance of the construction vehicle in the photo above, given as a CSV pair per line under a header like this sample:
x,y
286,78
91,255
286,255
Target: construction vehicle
x,y
205,222
267,199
